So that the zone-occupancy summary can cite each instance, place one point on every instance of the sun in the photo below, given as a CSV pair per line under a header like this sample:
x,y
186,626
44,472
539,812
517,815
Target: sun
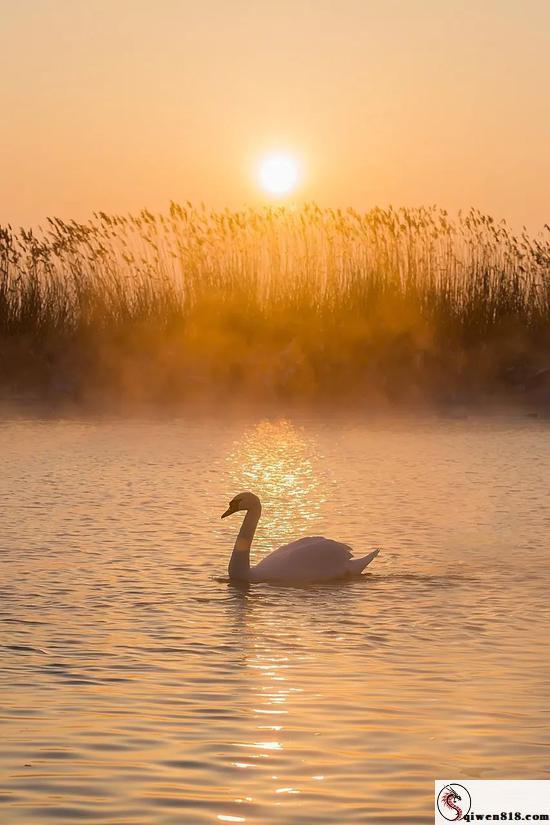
x,y
278,174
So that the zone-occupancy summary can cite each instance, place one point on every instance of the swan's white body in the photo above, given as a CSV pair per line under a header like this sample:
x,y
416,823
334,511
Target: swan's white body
x,y
311,559
308,560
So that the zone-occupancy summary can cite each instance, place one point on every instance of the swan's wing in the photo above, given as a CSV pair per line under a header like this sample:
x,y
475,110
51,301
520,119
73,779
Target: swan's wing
x,y
313,558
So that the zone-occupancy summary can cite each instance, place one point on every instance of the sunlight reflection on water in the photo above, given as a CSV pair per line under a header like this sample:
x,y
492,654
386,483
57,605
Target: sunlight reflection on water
x,y
276,460
136,687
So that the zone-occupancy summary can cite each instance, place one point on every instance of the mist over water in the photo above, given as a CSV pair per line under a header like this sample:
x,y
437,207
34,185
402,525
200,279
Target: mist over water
x,y
402,307
138,686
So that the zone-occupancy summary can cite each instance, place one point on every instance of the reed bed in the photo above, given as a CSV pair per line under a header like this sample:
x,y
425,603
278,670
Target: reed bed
x,y
309,304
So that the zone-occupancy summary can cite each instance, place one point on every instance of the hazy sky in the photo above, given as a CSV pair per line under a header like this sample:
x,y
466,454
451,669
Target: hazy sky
x,y
118,104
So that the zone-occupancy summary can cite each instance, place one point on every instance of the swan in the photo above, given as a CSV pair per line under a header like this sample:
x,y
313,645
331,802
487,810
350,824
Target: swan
x,y
308,560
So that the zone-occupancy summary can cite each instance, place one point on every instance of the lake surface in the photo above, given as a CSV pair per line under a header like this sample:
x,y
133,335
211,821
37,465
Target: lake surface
x,y
138,686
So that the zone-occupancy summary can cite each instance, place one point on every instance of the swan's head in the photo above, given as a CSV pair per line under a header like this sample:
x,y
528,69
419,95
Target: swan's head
x,y
242,501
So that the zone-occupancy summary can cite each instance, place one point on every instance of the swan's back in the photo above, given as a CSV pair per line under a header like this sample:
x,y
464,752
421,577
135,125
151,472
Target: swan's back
x,y
313,558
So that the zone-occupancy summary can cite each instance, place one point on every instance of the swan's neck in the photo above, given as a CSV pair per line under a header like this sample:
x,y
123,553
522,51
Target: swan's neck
x,y
239,564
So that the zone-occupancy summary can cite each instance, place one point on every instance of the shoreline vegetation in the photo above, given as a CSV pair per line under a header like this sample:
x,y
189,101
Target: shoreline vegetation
x,y
300,305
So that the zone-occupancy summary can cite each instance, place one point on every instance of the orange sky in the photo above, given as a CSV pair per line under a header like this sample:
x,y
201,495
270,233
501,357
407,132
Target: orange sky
x,y
119,104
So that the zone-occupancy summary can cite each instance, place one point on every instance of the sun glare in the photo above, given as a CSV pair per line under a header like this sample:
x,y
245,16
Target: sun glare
x,y
278,174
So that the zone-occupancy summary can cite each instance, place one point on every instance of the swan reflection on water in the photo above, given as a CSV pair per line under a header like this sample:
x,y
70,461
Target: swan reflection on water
x,y
282,688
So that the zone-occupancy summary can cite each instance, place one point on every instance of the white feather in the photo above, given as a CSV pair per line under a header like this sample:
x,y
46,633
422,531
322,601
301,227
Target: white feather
x,y
310,559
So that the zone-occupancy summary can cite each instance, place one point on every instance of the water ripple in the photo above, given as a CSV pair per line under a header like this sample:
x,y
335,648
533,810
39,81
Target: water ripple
x,y
138,685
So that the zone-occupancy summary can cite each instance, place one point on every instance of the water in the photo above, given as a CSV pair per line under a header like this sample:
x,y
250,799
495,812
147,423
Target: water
x,y
136,687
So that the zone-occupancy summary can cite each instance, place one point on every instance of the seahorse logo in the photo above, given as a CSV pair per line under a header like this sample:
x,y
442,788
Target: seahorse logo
x,y
453,802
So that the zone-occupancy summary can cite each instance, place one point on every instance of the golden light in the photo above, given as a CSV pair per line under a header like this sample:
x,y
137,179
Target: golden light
x,y
280,461
278,174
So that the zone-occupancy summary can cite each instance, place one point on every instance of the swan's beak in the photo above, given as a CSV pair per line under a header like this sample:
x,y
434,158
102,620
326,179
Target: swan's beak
x,y
228,512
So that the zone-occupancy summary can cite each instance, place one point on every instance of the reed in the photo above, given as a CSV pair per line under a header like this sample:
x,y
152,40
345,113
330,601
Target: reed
x,y
305,303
